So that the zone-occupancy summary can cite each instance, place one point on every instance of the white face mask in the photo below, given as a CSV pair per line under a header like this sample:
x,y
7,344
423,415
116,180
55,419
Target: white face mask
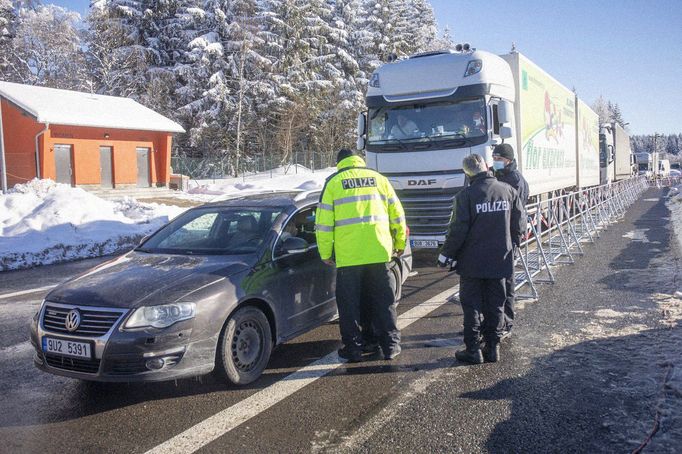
x,y
478,122
498,165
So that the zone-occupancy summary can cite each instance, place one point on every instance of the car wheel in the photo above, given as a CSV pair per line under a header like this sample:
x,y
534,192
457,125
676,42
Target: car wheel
x,y
244,346
396,281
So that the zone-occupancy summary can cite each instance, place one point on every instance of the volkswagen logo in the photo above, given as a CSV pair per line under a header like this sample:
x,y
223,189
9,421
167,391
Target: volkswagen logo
x,y
73,320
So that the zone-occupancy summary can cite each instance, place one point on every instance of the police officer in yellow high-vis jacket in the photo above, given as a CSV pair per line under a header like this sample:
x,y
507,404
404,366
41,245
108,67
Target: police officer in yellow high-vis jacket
x,y
361,224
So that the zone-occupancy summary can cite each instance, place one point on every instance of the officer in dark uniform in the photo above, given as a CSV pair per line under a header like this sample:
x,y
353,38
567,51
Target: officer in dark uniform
x,y
507,171
486,224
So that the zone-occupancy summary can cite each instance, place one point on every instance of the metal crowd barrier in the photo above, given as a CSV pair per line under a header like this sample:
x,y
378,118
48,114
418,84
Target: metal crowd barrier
x,y
559,225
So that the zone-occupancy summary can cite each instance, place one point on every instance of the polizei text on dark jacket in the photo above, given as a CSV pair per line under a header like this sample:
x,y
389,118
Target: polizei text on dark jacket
x,y
489,207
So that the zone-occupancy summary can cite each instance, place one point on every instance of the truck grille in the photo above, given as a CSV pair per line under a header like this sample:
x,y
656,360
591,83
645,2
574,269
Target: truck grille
x,y
428,211
88,366
94,322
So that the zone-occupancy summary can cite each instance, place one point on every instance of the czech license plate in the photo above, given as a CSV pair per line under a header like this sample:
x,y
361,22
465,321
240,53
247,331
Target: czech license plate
x,y
430,244
67,348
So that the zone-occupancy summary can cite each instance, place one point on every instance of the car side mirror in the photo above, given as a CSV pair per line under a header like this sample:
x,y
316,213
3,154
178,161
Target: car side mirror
x,y
295,245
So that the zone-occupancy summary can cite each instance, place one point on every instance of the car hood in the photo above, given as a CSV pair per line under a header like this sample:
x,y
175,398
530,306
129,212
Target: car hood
x,y
136,279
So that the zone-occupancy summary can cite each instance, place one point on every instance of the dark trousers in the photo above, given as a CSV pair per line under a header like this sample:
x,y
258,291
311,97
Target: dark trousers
x,y
482,297
365,299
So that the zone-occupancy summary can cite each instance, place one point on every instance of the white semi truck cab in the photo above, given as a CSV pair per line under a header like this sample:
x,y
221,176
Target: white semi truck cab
x,y
424,115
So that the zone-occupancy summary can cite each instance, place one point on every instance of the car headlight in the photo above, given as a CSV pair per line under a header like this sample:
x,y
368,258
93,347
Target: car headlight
x,y
161,316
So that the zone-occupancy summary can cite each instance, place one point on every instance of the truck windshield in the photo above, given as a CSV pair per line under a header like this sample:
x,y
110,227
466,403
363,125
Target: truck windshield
x,y
427,122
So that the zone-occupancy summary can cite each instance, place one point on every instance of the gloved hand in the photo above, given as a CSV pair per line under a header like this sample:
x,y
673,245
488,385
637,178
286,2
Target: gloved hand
x,y
446,262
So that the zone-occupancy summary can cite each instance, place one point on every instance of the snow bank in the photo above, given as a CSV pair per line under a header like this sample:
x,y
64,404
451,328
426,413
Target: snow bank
x,y
674,204
280,179
43,222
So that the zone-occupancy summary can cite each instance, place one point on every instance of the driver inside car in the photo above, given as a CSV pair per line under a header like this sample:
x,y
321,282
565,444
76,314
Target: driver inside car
x,y
247,230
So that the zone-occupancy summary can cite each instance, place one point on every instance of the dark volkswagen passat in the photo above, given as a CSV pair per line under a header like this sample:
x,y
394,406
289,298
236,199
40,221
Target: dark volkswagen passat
x,y
216,288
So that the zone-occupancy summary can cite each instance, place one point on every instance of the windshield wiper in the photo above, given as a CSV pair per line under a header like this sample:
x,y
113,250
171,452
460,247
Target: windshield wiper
x,y
400,143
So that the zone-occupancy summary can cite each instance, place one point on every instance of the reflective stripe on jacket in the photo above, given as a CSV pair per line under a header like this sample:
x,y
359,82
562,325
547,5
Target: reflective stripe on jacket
x,y
359,217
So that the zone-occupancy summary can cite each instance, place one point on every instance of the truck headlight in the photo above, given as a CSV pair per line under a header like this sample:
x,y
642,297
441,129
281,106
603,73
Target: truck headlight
x,y
374,81
161,316
474,67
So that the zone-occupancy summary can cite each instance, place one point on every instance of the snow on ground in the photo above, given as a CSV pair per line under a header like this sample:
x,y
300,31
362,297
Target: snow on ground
x,y
43,222
280,179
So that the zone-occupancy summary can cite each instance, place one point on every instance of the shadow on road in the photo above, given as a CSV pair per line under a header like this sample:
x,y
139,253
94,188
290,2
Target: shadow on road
x,y
595,396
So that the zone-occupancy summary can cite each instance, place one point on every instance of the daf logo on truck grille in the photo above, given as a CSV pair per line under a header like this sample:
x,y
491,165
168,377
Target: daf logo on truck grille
x,y
73,320
421,182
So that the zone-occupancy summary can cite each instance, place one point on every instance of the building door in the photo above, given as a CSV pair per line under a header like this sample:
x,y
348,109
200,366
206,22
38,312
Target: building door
x,y
63,164
143,180
106,175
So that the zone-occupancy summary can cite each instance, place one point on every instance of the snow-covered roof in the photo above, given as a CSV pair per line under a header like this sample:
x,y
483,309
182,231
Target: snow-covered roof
x,y
74,108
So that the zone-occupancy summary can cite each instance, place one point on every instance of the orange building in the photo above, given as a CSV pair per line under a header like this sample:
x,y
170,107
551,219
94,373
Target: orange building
x,y
82,139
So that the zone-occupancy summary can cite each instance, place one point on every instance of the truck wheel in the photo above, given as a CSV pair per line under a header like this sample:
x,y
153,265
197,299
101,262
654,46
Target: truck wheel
x,y
244,346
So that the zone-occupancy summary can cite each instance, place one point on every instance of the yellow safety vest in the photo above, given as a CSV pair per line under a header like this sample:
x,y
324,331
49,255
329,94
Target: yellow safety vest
x,y
359,217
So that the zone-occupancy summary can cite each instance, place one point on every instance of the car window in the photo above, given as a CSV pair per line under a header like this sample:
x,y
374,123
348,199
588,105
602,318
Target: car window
x,y
195,231
214,230
301,225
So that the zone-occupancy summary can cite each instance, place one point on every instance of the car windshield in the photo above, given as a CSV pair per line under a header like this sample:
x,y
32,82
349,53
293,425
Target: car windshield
x,y
426,122
214,231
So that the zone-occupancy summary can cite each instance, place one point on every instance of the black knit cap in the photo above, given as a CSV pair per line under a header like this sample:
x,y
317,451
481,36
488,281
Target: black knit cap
x,y
504,150
343,154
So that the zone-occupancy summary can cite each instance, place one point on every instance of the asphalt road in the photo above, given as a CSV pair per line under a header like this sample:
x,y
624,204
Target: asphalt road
x,y
591,367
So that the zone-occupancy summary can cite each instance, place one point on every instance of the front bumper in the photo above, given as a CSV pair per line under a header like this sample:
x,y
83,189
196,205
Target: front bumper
x,y
123,356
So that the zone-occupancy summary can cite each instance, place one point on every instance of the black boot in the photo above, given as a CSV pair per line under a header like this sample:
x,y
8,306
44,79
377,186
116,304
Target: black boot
x,y
491,351
471,355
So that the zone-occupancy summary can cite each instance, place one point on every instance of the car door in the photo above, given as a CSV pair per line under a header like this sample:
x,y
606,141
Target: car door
x,y
306,285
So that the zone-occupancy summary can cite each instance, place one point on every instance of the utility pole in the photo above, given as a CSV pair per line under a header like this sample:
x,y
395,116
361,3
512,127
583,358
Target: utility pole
x,y
654,155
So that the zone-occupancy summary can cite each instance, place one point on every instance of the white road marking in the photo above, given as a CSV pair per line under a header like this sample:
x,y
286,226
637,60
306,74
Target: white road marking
x,y
27,292
224,421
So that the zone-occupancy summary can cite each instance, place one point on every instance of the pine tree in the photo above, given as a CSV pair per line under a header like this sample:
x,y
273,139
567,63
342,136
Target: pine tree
x,y
600,106
8,20
46,49
118,54
616,114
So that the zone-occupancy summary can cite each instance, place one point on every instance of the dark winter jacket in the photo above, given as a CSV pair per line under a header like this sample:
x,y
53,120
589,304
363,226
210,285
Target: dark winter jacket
x,y
511,175
487,219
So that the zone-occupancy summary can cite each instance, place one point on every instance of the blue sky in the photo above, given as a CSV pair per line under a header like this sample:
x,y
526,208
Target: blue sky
x,y
629,51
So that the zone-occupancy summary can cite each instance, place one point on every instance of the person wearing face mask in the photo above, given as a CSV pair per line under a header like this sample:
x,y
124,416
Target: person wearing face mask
x,y
506,171
485,227
477,121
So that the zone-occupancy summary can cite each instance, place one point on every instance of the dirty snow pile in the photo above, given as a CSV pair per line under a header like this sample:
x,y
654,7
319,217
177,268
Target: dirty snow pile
x,y
675,206
44,222
292,177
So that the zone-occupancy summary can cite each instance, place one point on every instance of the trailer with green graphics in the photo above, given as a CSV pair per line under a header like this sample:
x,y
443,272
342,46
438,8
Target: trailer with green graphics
x,y
427,112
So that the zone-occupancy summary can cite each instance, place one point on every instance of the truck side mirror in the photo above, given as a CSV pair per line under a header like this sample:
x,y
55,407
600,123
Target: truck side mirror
x,y
362,124
505,132
504,112
362,130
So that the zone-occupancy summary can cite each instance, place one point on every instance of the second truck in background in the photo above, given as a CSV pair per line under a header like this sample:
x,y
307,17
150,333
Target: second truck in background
x,y
615,156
